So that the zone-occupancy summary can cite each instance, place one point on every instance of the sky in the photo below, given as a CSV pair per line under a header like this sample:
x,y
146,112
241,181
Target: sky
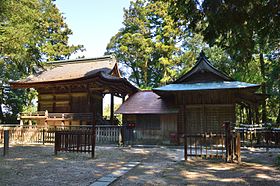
x,y
93,23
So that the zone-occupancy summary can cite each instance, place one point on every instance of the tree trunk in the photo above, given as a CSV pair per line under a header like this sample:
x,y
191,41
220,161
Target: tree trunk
x,y
263,88
1,111
135,72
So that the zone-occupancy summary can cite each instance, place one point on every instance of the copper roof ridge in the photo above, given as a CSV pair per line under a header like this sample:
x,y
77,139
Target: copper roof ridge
x,y
83,60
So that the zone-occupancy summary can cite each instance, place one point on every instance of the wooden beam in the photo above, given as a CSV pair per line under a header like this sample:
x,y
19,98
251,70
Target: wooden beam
x,y
112,108
54,102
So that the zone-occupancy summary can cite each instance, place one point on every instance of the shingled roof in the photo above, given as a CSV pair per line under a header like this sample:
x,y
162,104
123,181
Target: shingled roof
x,y
146,102
67,71
71,69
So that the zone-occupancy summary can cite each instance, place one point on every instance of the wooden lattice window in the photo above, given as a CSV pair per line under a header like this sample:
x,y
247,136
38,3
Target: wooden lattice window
x,y
207,118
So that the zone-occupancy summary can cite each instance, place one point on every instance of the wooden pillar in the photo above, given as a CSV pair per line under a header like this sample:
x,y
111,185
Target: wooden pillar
x,y
54,103
250,118
39,103
257,114
93,137
70,99
238,147
6,142
112,108
185,147
122,129
183,110
88,99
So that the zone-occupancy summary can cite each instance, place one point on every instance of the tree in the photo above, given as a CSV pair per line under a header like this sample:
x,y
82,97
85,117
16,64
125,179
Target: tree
x,y
247,30
149,43
31,32
155,47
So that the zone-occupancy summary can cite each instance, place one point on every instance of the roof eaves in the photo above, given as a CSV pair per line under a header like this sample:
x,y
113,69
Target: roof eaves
x,y
179,89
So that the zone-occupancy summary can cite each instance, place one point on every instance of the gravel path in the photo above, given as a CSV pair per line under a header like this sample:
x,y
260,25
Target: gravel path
x,y
37,165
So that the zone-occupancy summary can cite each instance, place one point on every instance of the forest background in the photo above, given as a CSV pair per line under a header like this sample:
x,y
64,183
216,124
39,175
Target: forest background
x,y
159,41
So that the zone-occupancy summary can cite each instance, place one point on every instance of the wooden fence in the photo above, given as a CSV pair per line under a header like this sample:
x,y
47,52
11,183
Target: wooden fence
x,y
206,145
224,145
105,134
259,137
78,140
27,134
108,134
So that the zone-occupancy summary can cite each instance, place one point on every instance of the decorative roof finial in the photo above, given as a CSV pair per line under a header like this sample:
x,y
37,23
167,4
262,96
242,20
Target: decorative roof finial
x,y
202,54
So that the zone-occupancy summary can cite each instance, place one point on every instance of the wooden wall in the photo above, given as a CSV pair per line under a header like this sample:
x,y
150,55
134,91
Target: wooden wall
x,y
205,97
70,102
205,111
159,133
207,118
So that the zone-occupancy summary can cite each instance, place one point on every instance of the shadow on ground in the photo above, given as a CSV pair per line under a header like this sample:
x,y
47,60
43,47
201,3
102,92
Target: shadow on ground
x,y
37,165
257,168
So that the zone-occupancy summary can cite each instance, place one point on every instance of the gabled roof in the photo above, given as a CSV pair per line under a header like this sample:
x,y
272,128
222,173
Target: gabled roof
x,y
71,69
203,71
146,102
202,77
102,70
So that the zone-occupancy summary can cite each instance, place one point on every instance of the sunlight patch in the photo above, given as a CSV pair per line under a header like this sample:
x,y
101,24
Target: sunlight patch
x,y
263,176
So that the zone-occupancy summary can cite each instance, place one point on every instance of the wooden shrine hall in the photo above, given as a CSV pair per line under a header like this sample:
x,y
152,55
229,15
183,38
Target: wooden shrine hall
x,y
197,102
69,91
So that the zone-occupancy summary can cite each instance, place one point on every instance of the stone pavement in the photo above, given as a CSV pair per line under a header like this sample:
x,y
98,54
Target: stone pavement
x,y
110,178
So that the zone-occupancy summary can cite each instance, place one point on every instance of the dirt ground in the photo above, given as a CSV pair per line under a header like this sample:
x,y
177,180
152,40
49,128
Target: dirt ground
x,y
37,165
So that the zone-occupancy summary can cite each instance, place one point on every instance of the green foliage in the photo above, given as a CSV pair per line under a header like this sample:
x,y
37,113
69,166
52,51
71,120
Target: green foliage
x,y
31,32
148,43
107,112
161,40
155,47
247,31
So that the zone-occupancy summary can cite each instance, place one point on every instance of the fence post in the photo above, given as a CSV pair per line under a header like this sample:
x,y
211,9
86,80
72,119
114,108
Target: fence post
x,y
93,140
238,150
43,136
227,140
120,131
185,148
267,134
56,143
6,142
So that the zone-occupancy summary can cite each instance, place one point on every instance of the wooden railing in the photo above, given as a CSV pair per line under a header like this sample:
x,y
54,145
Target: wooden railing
x,y
44,117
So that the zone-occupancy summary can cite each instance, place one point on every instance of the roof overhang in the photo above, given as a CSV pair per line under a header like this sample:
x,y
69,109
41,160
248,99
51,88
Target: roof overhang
x,y
208,86
146,102
120,85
